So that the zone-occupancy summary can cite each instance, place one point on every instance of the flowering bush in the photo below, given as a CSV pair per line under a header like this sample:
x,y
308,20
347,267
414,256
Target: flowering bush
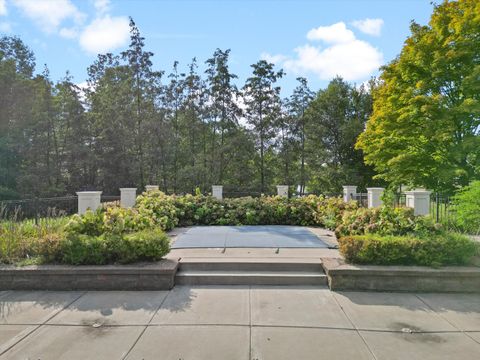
x,y
190,210
384,221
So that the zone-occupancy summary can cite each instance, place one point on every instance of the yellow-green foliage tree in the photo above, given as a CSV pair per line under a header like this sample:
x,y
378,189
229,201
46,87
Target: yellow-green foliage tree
x,y
424,130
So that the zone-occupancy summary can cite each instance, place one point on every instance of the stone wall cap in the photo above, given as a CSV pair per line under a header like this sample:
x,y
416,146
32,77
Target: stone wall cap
x,y
162,266
419,191
338,266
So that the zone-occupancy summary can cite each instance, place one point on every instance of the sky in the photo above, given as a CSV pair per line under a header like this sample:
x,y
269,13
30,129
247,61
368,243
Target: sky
x,y
313,39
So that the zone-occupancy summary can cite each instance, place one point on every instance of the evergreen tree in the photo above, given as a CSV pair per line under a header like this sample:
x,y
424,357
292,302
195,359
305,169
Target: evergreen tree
x,y
262,99
297,105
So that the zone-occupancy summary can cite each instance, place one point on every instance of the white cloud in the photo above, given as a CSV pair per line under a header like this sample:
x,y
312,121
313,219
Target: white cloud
x,y
68,33
344,55
83,87
49,14
102,6
5,27
3,7
273,58
369,26
334,34
105,34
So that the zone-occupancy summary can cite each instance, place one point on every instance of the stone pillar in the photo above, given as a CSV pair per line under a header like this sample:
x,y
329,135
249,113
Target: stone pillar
x,y
217,191
282,190
88,200
128,197
419,200
375,197
349,192
151,187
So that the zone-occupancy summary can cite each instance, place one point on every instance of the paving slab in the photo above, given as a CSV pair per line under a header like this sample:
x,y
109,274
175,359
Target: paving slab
x,y
475,336
205,305
33,307
193,342
390,311
302,306
249,241
277,343
112,308
264,236
200,241
462,310
11,334
427,346
76,342
254,252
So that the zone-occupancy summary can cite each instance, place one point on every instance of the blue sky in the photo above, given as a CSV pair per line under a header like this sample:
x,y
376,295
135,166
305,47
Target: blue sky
x,y
314,39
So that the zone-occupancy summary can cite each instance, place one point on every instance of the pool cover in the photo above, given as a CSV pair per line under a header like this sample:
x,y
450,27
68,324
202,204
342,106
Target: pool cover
x,y
263,236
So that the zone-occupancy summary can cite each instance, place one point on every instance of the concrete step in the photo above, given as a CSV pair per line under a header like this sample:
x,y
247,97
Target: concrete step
x,y
250,271
250,278
251,264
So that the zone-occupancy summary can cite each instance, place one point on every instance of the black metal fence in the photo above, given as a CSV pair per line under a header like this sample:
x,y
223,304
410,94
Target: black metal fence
x,y
361,198
37,208
239,194
441,207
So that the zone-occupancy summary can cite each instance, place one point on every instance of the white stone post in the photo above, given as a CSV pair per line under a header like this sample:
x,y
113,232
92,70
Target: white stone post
x,y
128,197
217,191
419,200
349,192
151,187
375,197
88,200
282,190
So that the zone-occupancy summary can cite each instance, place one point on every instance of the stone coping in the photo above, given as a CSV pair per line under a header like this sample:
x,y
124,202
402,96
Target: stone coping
x,y
159,275
343,276
165,265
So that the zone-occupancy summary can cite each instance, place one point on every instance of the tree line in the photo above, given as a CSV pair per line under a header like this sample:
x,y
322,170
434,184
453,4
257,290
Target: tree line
x,y
183,130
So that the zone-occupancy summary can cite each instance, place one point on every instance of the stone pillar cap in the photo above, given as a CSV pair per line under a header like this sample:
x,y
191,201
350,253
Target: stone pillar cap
x,y
418,191
128,188
88,192
375,188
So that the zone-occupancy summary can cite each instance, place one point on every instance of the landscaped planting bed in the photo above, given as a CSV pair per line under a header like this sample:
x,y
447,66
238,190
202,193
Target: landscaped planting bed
x,y
126,235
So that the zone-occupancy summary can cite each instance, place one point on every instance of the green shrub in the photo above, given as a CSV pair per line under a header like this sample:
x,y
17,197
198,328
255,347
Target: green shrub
x,y
146,245
384,221
434,250
466,209
159,208
82,249
110,220
109,248
266,210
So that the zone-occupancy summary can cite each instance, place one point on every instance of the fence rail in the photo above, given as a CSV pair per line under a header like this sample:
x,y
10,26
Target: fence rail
x,y
361,198
52,207
38,208
440,207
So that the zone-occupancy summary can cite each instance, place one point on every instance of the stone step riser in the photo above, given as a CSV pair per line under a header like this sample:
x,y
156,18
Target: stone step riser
x,y
321,280
232,266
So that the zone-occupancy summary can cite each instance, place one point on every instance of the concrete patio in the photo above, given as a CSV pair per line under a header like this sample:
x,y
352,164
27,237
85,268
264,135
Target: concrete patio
x,y
239,322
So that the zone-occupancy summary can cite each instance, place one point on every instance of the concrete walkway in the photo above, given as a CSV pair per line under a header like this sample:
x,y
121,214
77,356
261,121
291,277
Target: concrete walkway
x,y
241,322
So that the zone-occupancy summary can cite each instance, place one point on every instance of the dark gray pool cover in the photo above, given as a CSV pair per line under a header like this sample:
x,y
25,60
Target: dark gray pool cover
x,y
265,236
